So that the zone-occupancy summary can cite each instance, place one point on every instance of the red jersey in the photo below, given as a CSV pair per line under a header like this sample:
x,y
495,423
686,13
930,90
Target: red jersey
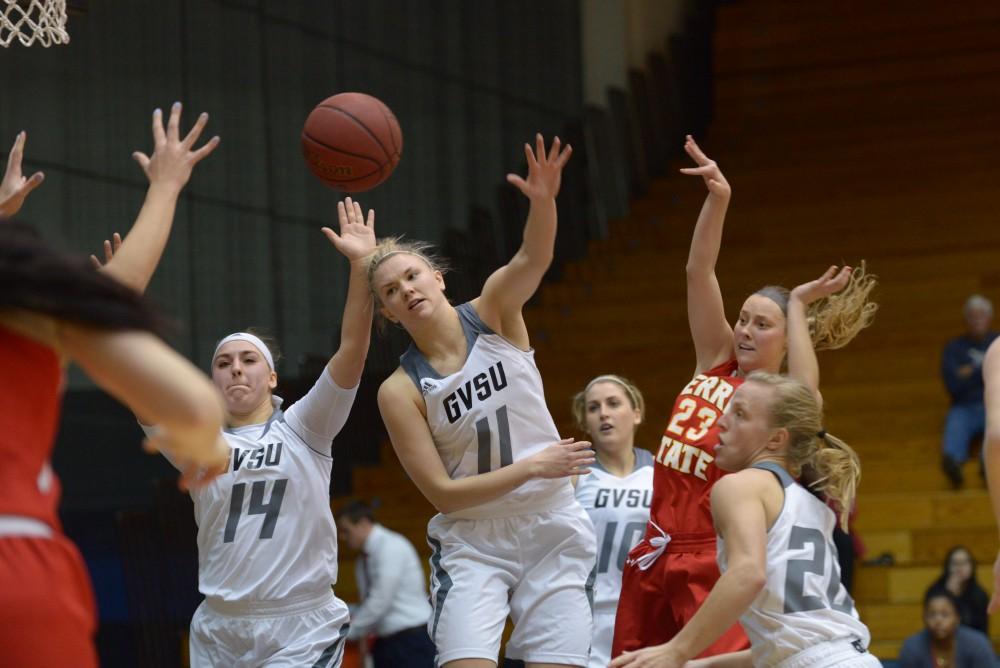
x,y
684,472
29,417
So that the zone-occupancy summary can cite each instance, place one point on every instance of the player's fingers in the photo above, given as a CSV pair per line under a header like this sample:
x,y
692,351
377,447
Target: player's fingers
x,y
554,149
349,209
331,235
32,183
17,150
195,131
205,150
108,251
173,124
517,182
142,159
159,135
341,214
540,147
529,155
564,156
94,261
696,171
359,215
371,219
116,239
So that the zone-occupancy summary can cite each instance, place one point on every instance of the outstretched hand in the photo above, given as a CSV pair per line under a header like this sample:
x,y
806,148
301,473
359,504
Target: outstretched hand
x,y
111,247
174,158
544,170
356,239
15,187
831,282
707,169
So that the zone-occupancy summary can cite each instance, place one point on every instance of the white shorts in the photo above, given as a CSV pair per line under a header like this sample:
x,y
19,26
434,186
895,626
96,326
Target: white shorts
x,y
833,654
308,631
604,634
539,569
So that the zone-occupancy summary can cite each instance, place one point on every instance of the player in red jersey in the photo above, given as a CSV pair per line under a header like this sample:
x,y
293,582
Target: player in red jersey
x,y
672,570
55,309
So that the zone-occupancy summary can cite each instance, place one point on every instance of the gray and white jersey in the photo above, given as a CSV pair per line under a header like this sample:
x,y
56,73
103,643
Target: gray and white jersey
x,y
265,528
489,414
803,603
619,509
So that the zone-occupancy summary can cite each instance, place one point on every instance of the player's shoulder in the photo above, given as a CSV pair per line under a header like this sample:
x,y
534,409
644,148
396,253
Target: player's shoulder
x,y
397,385
741,483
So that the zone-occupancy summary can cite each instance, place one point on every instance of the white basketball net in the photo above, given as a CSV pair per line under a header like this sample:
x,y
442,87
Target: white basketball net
x,y
30,21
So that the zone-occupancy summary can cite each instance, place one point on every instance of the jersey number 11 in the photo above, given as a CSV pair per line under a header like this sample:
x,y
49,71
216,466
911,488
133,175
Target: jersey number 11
x,y
485,439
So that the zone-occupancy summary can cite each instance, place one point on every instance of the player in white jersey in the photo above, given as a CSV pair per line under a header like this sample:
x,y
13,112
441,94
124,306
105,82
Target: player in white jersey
x,y
776,553
616,493
467,417
267,546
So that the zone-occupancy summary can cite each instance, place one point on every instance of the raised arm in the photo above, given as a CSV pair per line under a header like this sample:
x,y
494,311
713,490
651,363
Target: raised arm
x,y
414,445
511,286
320,415
15,187
168,171
991,447
712,334
150,378
356,242
802,363
741,520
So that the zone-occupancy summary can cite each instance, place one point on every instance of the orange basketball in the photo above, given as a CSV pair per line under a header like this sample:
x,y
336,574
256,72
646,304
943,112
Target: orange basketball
x,y
352,142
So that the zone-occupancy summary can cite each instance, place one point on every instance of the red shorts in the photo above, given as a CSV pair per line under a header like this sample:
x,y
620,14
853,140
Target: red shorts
x,y
655,604
47,612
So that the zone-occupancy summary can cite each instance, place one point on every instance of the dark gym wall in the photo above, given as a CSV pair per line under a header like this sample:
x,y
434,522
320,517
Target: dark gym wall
x,y
469,82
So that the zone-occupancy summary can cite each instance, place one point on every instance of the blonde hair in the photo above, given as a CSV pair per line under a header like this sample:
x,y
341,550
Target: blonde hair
x,y
389,246
834,321
579,405
833,465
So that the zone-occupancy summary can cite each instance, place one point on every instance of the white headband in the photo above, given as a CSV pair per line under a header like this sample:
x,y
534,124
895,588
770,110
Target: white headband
x,y
251,339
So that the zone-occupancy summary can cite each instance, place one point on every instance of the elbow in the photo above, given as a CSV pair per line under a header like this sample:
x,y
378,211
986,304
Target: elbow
x,y
752,578
442,504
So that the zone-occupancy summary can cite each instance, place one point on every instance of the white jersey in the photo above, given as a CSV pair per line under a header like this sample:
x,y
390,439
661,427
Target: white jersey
x,y
619,509
803,603
489,414
265,528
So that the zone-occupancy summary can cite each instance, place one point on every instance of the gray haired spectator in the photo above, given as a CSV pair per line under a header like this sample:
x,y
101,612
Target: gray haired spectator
x,y
962,372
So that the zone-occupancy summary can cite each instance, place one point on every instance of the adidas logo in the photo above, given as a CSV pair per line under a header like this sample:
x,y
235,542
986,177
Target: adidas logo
x,y
426,386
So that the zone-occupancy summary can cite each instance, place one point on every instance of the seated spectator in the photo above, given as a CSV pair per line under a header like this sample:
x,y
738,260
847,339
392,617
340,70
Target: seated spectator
x,y
958,578
944,642
962,371
394,604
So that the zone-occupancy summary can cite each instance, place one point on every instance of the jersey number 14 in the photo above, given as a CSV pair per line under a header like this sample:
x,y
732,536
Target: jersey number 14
x,y
257,506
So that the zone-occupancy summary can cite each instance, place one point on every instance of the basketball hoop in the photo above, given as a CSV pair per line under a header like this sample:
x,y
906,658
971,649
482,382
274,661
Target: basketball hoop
x,y
30,21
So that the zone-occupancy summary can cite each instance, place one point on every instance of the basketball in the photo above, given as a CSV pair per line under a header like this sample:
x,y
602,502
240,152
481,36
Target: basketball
x,y
352,142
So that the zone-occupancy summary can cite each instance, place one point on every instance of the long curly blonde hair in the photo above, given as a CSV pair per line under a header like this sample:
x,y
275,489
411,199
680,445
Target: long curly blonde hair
x,y
834,321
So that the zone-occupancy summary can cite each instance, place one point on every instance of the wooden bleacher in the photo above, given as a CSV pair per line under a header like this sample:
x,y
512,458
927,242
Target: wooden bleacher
x,y
848,131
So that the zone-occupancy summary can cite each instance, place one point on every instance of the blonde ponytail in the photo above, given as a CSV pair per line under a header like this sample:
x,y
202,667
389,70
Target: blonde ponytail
x,y
831,466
